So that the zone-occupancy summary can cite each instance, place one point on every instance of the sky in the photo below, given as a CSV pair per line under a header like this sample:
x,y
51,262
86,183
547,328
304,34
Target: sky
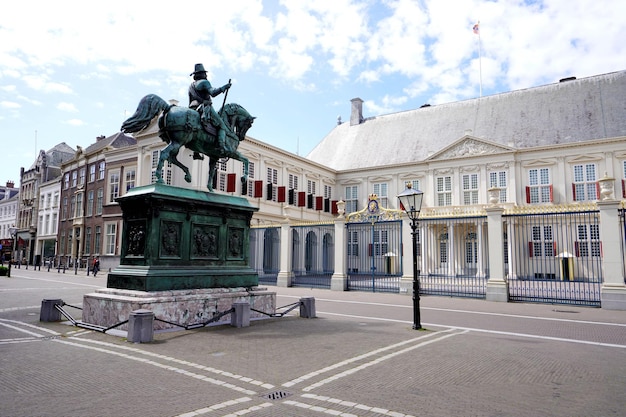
x,y
71,71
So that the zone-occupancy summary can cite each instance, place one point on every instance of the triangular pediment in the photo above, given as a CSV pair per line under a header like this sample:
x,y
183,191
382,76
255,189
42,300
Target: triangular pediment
x,y
469,146
584,158
539,162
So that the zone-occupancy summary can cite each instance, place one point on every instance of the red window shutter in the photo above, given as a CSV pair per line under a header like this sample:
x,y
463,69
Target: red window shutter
x,y
369,249
551,193
598,190
554,247
624,188
258,189
231,180
301,199
527,195
530,249
576,249
319,203
574,192
333,205
282,191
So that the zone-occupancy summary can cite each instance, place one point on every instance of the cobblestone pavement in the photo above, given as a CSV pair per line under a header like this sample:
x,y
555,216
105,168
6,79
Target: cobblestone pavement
x,y
359,357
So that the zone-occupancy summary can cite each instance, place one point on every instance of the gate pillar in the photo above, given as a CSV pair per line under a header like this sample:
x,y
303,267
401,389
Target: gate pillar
x,y
339,280
613,291
285,274
497,288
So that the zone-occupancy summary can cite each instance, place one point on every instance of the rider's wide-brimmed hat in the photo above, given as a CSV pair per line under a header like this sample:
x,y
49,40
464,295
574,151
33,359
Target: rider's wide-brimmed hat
x,y
198,68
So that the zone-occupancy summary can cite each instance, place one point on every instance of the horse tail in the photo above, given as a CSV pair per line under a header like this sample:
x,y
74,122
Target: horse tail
x,y
149,107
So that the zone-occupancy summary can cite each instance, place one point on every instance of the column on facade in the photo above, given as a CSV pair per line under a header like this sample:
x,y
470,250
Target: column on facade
x,y
613,291
496,286
285,275
339,280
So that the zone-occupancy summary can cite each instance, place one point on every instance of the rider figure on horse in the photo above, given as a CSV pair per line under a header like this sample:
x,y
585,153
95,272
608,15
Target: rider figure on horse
x,y
200,94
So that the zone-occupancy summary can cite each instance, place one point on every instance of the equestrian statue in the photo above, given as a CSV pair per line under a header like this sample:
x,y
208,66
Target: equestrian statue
x,y
198,128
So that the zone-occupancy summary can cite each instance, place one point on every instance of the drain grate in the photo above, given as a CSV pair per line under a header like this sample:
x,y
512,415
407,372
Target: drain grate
x,y
277,395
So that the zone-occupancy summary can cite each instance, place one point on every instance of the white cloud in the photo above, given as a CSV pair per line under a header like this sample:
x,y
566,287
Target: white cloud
x,y
74,122
68,107
10,105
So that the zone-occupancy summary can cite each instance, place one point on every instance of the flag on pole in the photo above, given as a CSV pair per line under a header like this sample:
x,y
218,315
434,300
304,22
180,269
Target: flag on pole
x,y
476,28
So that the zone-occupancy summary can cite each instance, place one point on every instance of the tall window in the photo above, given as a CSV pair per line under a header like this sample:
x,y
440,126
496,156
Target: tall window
x,y
328,191
585,186
588,243
131,175
66,181
352,198
272,179
72,206
250,178
293,182
81,179
497,179
74,178
55,200
64,209
101,170
111,234
380,189
90,203
92,172
98,240
470,189
311,187
353,244
79,205
539,188
87,240
114,186
55,222
444,191
99,201
542,243
381,242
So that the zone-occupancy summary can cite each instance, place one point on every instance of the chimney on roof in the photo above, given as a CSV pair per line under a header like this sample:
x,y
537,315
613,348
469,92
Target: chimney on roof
x,y
10,184
99,138
356,116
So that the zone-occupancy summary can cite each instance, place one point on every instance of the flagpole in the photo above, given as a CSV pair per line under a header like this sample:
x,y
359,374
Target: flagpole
x,y
476,30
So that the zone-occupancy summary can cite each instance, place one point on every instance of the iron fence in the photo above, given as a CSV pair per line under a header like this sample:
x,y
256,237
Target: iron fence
x,y
453,256
374,256
313,255
554,257
265,253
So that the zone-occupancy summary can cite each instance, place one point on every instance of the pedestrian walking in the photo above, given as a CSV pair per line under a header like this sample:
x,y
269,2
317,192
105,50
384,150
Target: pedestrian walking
x,y
96,265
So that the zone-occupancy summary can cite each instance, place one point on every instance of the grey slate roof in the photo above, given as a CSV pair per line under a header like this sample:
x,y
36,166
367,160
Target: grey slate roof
x,y
564,112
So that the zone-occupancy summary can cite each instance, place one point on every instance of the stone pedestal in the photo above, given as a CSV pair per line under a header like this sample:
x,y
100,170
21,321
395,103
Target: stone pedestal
x,y
175,239
107,307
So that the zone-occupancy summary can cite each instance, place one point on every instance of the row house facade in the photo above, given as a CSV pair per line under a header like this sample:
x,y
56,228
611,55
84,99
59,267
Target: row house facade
x,y
8,213
87,219
46,168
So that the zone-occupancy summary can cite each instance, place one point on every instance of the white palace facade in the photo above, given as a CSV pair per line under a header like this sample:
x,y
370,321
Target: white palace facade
x,y
524,187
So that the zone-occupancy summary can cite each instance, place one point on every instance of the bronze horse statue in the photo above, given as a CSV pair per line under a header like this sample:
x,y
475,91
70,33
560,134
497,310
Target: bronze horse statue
x,y
181,126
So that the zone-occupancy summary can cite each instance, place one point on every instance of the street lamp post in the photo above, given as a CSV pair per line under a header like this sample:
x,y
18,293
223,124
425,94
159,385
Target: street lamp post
x,y
411,203
13,233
